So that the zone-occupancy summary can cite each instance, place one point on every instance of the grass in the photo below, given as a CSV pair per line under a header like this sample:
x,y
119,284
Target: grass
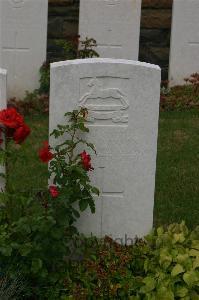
x,y
177,176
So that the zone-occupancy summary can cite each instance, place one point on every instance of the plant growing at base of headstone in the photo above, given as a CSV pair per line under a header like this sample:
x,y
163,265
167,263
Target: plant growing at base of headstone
x,y
86,49
164,266
194,80
70,49
36,229
69,170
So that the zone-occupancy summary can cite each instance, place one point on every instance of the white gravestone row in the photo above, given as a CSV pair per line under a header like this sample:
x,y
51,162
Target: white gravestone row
x,y
114,24
122,97
184,53
23,39
3,105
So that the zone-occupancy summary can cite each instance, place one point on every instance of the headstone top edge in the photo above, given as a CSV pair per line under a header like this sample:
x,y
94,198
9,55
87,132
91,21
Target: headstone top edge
x,y
104,60
3,71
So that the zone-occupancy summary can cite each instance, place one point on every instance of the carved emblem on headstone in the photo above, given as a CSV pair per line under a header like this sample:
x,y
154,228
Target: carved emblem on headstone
x,y
105,103
17,3
112,2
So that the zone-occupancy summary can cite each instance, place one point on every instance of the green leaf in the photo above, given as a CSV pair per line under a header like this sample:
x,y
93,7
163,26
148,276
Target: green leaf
x,y
164,293
165,258
25,249
68,114
82,127
76,213
150,284
195,244
196,263
160,231
181,291
36,265
6,250
191,278
91,205
95,190
179,237
177,270
83,204
90,145
194,252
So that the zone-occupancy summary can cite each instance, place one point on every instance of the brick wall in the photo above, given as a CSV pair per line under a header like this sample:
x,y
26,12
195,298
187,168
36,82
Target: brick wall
x,y
63,16
154,35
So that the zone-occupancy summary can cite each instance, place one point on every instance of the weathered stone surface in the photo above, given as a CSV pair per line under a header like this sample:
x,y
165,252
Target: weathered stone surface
x,y
184,54
3,104
23,35
153,18
117,36
123,101
157,3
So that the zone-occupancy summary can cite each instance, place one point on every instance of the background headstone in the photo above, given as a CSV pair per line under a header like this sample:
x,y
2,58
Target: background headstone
x,y
114,24
123,100
23,39
184,52
3,104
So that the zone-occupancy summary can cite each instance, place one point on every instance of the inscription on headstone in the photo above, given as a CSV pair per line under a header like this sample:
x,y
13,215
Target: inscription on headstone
x,y
17,3
122,98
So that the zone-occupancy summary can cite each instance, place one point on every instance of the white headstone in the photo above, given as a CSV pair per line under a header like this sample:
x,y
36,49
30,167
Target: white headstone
x,y
3,105
122,97
23,36
184,53
114,24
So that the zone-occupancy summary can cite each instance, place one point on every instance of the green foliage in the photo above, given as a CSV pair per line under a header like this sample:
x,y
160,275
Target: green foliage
x,y
165,266
36,229
67,170
31,239
70,50
86,49
44,78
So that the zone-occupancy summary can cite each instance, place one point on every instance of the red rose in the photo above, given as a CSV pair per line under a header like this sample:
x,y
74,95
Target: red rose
x,y
45,154
21,133
86,161
54,191
11,118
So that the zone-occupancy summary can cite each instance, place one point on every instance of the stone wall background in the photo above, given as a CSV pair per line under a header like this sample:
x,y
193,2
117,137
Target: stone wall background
x,y
154,35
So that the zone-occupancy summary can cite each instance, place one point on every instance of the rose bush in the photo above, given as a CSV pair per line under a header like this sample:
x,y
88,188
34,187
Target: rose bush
x,y
44,153
36,229
12,123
